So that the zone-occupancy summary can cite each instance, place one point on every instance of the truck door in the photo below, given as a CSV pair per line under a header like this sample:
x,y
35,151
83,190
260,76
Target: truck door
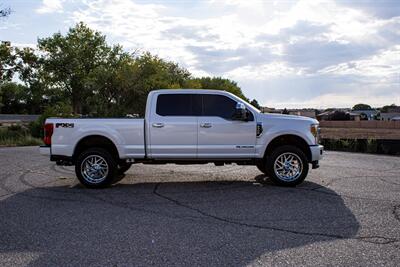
x,y
219,136
173,126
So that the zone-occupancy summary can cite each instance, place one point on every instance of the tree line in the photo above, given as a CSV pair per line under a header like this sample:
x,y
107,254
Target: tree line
x,y
80,74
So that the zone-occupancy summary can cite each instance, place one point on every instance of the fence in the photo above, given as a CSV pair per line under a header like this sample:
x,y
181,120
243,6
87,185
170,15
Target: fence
x,y
17,118
387,130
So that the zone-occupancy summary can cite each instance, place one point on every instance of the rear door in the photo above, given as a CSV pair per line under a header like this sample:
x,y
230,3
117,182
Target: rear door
x,y
173,126
221,137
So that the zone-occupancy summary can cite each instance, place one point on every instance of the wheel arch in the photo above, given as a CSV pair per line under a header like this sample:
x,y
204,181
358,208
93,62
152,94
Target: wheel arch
x,y
289,139
91,141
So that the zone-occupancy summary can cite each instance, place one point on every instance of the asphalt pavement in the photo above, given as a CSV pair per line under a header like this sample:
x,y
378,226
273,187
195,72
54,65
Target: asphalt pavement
x,y
346,213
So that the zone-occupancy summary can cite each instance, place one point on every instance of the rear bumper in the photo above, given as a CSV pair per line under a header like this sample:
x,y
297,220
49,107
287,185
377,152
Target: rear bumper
x,y
317,152
45,150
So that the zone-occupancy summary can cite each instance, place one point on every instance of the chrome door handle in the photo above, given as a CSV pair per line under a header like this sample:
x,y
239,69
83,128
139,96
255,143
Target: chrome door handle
x,y
158,125
205,125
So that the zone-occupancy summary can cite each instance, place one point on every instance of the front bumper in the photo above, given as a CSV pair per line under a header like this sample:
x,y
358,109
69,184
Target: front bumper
x,y
45,150
317,152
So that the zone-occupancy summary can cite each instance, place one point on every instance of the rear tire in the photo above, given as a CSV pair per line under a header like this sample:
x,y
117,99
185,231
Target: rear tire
x,y
96,168
287,165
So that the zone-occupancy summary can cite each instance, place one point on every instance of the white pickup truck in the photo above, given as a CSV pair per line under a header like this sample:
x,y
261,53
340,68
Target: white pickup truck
x,y
186,126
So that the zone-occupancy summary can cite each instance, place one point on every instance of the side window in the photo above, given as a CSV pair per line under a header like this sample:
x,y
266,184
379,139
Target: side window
x,y
219,106
178,105
250,116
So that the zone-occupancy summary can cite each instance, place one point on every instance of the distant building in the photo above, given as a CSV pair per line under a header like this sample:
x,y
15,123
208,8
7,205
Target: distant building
x,y
311,113
270,110
303,112
393,109
366,114
392,112
338,115
324,116
354,116
389,116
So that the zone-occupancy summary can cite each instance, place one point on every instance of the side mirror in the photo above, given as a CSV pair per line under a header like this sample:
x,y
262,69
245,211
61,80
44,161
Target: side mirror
x,y
240,112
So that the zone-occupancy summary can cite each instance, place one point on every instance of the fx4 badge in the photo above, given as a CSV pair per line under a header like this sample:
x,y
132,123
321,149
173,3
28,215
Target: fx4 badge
x,y
64,125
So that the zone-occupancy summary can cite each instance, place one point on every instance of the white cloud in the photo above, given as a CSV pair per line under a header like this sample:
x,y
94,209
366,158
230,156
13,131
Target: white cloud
x,y
7,25
264,71
23,45
343,100
322,49
138,26
50,6
383,65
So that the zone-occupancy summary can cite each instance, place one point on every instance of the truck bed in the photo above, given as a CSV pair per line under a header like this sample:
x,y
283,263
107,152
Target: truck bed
x,y
126,133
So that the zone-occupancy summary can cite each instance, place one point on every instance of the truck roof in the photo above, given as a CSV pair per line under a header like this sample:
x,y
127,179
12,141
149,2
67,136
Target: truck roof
x,y
189,91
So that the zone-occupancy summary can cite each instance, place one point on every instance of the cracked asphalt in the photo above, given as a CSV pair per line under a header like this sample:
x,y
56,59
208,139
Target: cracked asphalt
x,y
347,213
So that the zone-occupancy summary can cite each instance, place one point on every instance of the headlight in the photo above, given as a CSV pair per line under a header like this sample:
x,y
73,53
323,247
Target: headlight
x,y
314,129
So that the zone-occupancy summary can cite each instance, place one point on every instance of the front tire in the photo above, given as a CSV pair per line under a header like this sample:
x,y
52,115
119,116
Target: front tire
x,y
287,165
261,167
96,168
123,167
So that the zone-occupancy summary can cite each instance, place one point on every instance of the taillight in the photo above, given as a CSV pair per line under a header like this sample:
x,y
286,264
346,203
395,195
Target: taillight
x,y
48,132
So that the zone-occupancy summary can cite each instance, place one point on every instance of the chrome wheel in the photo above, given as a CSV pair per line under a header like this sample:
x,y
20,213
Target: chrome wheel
x,y
94,169
288,167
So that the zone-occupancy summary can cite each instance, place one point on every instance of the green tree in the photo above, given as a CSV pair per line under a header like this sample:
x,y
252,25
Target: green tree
x,y
23,63
58,110
386,108
15,61
108,86
80,70
68,61
5,12
14,98
219,83
147,73
8,58
121,86
254,102
30,72
361,107
339,115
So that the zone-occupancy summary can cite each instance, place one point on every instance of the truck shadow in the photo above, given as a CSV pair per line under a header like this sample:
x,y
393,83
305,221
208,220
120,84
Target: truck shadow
x,y
230,223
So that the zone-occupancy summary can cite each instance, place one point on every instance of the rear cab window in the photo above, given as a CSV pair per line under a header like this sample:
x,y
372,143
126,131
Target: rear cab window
x,y
178,105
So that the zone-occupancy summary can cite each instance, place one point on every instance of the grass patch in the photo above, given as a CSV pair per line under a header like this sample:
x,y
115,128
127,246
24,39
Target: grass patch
x,y
390,147
17,136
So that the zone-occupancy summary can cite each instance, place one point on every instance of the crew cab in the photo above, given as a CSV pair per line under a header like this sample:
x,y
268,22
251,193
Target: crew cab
x,y
186,126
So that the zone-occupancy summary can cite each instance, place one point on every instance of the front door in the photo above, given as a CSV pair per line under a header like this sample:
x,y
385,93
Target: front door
x,y
221,137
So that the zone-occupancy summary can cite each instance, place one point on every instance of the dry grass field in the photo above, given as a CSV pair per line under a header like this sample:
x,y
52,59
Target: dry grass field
x,y
389,130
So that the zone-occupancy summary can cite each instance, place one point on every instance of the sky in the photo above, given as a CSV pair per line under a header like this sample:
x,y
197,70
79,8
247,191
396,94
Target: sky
x,y
289,54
